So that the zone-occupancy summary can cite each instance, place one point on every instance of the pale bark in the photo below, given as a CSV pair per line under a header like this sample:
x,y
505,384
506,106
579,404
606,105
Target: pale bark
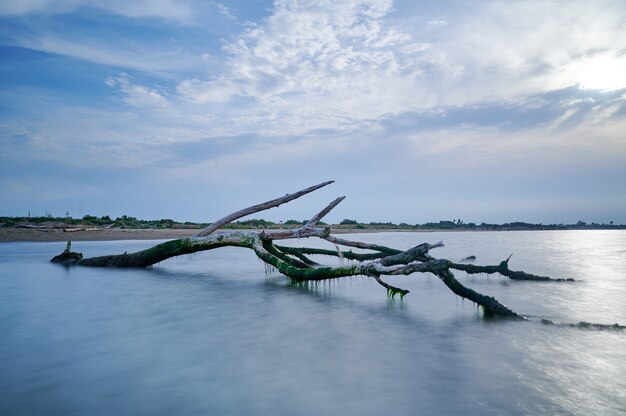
x,y
294,262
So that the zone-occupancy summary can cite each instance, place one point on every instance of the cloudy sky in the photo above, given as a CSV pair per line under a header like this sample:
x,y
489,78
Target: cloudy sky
x,y
490,111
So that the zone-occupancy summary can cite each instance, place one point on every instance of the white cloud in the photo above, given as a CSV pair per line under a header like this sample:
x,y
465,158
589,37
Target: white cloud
x,y
522,48
314,65
225,11
140,96
318,65
338,65
177,10
596,139
124,55
437,22
214,91
345,66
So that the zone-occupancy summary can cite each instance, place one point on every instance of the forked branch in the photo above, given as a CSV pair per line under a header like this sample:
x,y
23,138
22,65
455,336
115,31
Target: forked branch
x,y
373,261
258,208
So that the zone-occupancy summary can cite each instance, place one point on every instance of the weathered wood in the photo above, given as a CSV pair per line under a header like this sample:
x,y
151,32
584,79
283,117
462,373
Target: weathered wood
x,y
503,269
258,208
294,263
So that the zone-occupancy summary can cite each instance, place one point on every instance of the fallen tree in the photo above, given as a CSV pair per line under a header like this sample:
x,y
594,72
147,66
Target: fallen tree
x,y
296,264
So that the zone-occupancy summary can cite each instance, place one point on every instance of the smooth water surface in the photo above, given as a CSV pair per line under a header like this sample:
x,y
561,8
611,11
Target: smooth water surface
x,y
213,334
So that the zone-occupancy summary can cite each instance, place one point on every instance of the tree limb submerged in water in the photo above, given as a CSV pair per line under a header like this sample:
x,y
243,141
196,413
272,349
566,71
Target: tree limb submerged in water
x,y
295,263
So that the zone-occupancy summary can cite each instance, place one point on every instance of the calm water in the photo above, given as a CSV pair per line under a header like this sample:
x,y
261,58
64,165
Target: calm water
x,y
212,334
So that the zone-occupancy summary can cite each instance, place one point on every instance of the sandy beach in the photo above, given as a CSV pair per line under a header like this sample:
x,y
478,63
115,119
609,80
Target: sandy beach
x,y
55,234
24,234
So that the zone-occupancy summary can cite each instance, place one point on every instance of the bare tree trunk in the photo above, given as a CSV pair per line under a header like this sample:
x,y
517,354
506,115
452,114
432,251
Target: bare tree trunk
x,y
295,263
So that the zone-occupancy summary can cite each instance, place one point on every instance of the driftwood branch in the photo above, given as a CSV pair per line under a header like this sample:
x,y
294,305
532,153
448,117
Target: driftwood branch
x,y
318,217
294,262
258,208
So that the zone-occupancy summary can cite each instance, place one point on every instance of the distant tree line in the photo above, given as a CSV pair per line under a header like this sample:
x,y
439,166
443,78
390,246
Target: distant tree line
x,y
126,221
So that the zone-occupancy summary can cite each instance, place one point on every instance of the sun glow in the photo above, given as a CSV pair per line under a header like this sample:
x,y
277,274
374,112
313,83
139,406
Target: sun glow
x,y
603,73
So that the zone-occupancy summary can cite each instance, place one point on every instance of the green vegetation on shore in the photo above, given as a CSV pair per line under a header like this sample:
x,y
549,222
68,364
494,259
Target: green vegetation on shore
x,y
134,223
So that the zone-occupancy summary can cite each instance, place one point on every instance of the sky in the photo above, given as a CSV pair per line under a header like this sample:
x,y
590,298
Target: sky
x,y
484,111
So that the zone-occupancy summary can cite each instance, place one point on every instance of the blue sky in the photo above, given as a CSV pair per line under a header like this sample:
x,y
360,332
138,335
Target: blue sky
x,y
490,111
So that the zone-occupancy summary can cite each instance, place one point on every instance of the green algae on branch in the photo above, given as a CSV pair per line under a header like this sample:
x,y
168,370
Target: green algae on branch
x,y
294,262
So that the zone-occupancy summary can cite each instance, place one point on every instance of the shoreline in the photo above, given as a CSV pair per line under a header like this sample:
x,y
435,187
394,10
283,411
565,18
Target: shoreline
x,y
19,235
42,235
25,235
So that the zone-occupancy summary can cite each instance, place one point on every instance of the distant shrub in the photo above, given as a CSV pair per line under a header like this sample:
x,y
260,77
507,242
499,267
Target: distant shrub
x,y
256,223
